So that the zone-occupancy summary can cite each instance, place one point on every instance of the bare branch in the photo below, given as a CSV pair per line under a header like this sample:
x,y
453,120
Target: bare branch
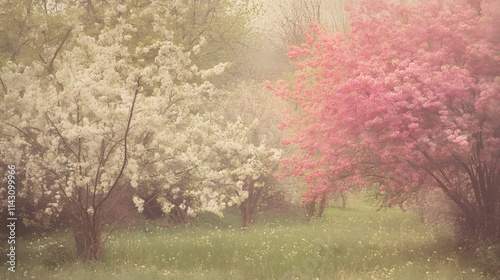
x,y
16,51
113,226
50,67
98,171
4,87
125,152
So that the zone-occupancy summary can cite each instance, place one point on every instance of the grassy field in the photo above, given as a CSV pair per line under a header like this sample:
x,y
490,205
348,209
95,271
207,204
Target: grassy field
x,y
354,243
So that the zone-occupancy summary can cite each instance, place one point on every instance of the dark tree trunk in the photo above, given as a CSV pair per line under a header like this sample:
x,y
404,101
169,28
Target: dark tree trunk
x,y
245,215
87,237
322,205
477,198
80,240
311,208
248,208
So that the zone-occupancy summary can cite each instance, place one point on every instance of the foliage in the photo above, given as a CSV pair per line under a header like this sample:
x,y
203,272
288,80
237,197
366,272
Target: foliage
x,y
408,100
30,30
226,30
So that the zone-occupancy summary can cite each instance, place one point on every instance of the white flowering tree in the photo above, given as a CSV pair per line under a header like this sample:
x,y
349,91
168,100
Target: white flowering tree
x,y
213,165
251,104
78,132
234,165
120,110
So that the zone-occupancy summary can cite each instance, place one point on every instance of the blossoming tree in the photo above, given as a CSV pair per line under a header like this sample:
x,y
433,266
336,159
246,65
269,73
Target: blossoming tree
x,y
408,100
212,166
118,109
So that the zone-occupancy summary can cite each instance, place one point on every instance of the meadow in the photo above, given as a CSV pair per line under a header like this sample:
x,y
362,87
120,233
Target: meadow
x,y
357,242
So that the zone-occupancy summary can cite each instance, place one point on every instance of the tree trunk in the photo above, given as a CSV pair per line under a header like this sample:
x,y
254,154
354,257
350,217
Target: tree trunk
x,y
88,241
310,208
248,208
80,241
245,215
322,205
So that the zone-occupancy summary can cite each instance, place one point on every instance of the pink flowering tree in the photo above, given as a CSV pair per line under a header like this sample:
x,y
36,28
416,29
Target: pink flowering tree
x,y
408,100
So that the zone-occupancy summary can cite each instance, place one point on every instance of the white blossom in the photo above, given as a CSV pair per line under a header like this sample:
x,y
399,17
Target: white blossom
x,y
139,203
215,71
121,8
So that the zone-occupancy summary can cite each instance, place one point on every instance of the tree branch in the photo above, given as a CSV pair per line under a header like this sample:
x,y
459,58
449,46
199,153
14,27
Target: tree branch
x,y
125,153
50,67
21,31
4,87
60,136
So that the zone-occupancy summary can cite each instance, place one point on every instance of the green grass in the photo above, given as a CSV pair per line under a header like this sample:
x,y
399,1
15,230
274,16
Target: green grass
x,y
354,243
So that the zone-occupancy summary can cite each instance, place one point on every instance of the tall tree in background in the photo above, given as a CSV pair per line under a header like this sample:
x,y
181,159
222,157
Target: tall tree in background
x,y
294,18
32,31
226,29
291,19
408,100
